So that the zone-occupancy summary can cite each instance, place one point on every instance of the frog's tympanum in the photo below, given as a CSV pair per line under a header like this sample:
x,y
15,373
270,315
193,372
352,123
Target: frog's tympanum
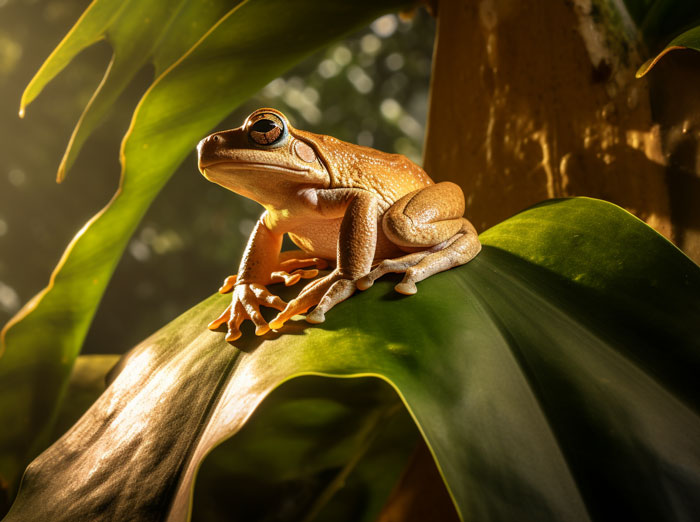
x,y
365,211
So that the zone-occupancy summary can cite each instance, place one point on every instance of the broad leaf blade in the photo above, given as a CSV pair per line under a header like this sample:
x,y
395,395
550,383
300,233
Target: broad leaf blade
x,y
688,40
244,51
192,22
531,373
664,19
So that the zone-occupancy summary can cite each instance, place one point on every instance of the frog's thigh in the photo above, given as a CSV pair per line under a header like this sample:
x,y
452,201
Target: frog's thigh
x,y
428,223
426,217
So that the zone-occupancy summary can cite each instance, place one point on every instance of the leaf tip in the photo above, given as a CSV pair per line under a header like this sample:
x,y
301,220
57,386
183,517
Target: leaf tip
x,y
61,173
643,69
25,100
651,62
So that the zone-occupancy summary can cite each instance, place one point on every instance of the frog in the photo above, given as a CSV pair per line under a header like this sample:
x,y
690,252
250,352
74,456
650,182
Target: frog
x,y
360,212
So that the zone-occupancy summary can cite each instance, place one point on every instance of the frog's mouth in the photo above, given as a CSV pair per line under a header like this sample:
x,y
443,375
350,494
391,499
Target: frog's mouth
x,y
248,177
225,166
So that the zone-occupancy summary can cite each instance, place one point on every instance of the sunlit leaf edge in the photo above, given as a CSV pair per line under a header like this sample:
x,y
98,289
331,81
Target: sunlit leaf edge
x,y
688,40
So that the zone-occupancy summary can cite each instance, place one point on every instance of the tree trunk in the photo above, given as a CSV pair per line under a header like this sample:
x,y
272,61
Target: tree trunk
x,y
531,101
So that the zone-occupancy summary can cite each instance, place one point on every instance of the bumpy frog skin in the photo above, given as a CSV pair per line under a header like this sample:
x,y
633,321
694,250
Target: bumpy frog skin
x,y
352,206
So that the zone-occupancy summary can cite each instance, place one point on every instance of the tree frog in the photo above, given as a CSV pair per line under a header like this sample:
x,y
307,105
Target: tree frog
x,y
367,212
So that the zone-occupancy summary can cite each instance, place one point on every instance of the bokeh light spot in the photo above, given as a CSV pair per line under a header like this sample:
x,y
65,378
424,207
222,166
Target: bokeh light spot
x,y
385,26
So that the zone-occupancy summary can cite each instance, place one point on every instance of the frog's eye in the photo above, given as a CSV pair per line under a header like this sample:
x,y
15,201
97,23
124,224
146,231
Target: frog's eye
x,y
266,131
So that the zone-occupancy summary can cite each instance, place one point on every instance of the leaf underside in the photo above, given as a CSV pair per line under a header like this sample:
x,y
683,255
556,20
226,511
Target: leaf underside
x,y
554,377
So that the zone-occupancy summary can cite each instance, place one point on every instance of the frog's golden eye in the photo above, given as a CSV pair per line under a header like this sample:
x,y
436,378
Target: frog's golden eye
x,y
266,131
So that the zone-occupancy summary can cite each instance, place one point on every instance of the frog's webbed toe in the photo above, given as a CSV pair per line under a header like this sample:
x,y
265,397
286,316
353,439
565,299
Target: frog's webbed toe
x,y
245,304
338,292
223,318
228,284
292,268
391,266
292,260
292,278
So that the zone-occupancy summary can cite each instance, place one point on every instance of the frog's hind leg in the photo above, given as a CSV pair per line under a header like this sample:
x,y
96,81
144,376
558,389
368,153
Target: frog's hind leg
x,y
428,223
456,251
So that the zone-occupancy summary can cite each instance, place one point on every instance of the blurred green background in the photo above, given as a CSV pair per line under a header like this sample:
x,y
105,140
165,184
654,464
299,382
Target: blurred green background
x,y
370,89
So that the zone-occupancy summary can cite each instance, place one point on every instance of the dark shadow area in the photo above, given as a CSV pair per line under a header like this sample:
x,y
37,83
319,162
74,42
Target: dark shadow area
x,y
297,445
614,460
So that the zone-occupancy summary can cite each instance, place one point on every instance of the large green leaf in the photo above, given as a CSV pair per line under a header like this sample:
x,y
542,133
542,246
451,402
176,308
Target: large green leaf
x,y
688,40
246,48
554,377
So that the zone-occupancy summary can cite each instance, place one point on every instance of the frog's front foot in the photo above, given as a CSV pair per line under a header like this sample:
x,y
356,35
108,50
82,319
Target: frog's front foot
x,y
245,304
325,293
289,272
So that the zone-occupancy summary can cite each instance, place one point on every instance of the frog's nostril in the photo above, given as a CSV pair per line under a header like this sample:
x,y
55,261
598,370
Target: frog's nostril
x,y
215,138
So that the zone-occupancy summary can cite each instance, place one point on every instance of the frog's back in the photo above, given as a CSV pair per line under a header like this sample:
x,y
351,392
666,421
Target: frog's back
x,y
390,176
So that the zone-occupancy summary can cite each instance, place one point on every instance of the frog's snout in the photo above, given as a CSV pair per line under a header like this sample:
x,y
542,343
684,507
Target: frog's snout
x,y
208,141
208,150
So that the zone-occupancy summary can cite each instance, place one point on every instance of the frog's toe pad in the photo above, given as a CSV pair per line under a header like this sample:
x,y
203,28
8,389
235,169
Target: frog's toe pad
x,y
228,284
223,318
406,288
316,317
364,283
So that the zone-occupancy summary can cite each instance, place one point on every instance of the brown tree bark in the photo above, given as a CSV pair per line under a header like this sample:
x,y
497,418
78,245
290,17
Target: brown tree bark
x,y
537,100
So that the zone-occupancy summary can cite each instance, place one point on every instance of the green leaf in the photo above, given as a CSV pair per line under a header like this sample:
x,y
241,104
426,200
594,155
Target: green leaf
x,y
688,40
138,32
132,49
248,47
554,377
